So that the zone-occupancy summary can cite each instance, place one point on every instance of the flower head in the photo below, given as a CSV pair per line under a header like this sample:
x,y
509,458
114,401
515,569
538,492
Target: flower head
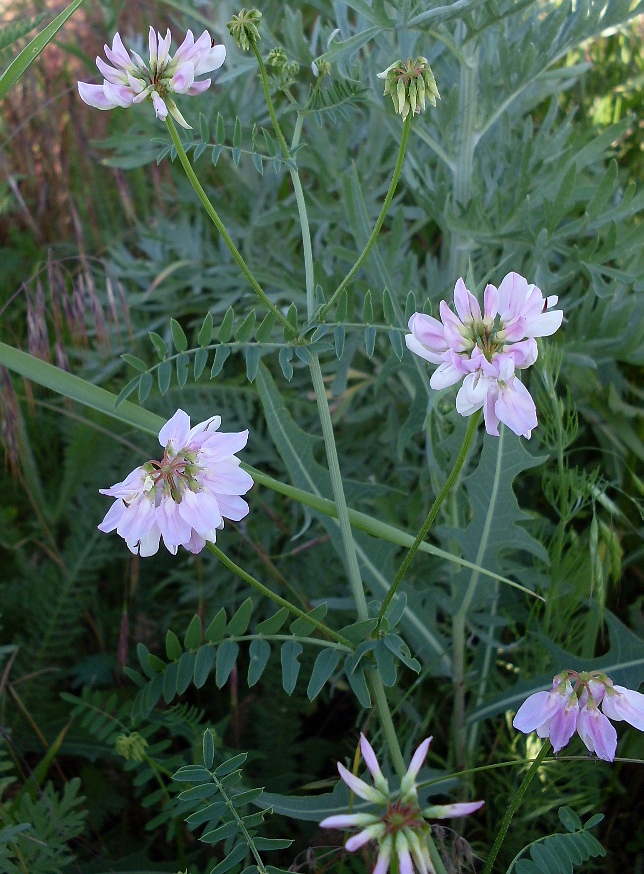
x,y
485,348
400,827
244,28
129,79
410,83
185,497
572,704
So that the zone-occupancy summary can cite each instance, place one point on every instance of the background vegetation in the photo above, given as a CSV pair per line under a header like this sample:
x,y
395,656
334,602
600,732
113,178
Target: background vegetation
x,y
101,243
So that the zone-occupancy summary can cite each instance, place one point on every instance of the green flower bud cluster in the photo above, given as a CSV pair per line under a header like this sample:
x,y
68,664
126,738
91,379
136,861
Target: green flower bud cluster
x,y
277,58
131,746
321,68
410,84
244,27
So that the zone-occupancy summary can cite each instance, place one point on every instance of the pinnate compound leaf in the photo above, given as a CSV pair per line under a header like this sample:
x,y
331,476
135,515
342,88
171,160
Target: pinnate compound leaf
x,y
201,359
569,819
164,376
131,386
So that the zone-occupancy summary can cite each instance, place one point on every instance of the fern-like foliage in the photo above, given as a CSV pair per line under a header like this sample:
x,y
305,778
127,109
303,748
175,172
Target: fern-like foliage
x,y
560,853
38,825
219,800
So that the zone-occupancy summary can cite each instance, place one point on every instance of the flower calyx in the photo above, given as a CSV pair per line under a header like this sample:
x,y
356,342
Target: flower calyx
x,y
410,84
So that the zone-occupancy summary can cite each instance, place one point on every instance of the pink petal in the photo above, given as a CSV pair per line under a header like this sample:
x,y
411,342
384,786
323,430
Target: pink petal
x,y
449,373
183,78
233,507
118,54
627,704
359,787
201,511
199,87
564,723
370,758
516,409
348,820
94,95
418,759
537,709
174,529
354,843
422,351
447,811
176,431
466,304
112,517
218,446
211,60
597,733
116,77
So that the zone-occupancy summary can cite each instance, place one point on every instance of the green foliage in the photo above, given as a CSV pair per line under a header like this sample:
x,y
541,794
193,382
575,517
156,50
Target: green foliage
x,y
561,853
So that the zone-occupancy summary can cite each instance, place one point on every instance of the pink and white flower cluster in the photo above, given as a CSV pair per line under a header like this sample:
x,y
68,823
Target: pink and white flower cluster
x,y
185,497
401,828
131,80
573,705
485,349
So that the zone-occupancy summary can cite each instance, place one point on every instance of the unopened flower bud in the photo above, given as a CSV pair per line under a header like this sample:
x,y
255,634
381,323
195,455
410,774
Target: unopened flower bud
x,y
410,84
244,27
277,58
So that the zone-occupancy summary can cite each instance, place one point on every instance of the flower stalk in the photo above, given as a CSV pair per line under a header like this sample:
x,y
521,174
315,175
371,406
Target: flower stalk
x,y
214,217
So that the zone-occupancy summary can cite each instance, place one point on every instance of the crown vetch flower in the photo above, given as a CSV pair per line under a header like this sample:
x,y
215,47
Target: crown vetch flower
x,y
410,83
185,497
486,348
131,80
401,828
567,708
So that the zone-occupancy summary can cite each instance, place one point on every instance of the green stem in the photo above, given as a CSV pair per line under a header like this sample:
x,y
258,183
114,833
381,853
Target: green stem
x,y
348,544
379,222
295,177
230,564
507,819
433,512
269,100
207,205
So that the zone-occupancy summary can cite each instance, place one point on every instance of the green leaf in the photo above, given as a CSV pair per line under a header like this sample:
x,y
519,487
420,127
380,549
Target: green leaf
x,y
145,385
338,340
226,657
237,134
230,765
258,653
201,359
225,331
136,363
359,631
367,308
264,331
183,361
193,635
173,648
410,305
220,136
208,748
31,51
358,683
159,344
203,128
185,671
204,661
395,338
243,332
342,307
253,355
286,353
239,622
369,340
127,391
302,628
325,665
291,651
216,629
291,316
178,336
569,819
198,793
220,833
170,681
388,308
271,843
193,773
221,354
205,332
386,664
236,855
273,624
164,376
